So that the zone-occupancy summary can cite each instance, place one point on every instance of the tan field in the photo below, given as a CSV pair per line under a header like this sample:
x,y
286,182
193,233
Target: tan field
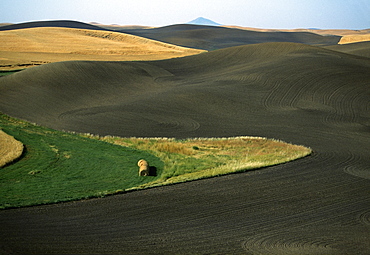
x,y
33,46
10,148
354,38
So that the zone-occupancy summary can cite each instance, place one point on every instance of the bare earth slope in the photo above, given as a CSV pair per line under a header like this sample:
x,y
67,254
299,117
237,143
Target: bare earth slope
x,y
347,35
360,48
211,37
294,92
21,48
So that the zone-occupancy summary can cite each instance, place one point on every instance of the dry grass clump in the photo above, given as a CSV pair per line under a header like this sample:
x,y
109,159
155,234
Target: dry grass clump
x,y
199,147
10,149
163,145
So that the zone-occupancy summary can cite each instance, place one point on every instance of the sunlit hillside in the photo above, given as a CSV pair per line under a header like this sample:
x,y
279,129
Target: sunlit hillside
x,y
39,45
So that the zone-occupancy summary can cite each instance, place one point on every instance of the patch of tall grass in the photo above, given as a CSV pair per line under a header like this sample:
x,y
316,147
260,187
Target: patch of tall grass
x,y
198,158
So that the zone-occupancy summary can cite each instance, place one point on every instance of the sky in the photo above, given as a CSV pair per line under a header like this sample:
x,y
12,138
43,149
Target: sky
x,y
279,14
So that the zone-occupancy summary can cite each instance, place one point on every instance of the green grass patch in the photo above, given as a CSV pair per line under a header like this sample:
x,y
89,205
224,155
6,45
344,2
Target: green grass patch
x,y
62,166
7,72
59,166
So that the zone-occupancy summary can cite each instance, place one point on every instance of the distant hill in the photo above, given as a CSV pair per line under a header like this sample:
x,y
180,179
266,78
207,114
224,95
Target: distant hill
x,y
52,23
203,21
27,47
213,37
5,24
116,27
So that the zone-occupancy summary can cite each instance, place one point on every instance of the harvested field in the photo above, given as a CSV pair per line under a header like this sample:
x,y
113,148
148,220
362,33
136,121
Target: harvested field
x,y
354,38
293,92
10,149
28,47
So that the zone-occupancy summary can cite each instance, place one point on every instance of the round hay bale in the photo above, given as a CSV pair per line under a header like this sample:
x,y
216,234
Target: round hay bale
x,y
143,167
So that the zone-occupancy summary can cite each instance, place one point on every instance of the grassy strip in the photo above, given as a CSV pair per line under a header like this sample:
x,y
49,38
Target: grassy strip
x,y
7,72
58,166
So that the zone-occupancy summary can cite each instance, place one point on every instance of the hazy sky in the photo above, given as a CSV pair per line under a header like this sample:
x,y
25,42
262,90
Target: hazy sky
x,y
350,14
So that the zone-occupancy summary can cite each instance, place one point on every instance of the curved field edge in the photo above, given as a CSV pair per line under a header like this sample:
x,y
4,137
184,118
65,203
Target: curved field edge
x,y
62,166
10,149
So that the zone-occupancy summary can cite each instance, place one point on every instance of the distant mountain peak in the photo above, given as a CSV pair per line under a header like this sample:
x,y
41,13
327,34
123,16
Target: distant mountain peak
x,y
203,21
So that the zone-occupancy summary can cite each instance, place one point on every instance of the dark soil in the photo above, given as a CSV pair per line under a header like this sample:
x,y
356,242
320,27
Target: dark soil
x,y
300,94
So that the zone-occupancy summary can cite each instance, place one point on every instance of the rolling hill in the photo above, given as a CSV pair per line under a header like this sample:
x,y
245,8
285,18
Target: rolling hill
x,y
212,37
187,96
35,43
52,23
295,92
359,48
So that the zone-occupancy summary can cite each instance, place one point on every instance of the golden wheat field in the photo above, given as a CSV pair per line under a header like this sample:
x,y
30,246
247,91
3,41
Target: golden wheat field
x,y
353,38
10,148
33,46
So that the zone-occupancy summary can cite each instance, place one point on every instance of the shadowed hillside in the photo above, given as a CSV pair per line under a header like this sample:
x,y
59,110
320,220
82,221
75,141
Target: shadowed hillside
x,y
186,96
52,23
359,49
211,38
294,92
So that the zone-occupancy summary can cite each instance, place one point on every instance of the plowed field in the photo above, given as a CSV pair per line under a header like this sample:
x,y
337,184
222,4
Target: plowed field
x,y
297,93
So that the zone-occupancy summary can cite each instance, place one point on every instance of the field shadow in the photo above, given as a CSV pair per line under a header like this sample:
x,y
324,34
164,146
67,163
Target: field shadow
x,y
152,171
